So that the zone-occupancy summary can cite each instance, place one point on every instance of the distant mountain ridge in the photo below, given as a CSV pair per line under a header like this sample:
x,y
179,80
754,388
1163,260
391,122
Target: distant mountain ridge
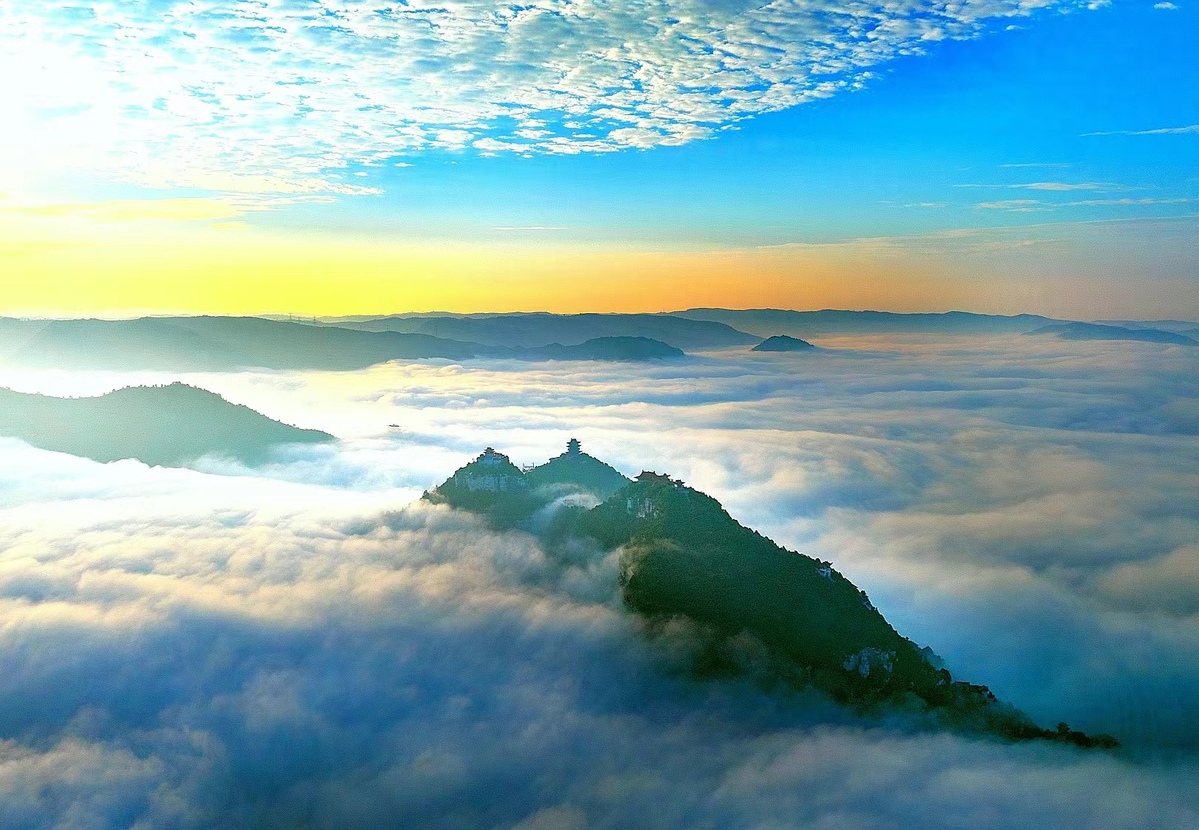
x,y
682,555
210,343
1094,331
535,329
207,343
158,425
770,321
601,348
1179,326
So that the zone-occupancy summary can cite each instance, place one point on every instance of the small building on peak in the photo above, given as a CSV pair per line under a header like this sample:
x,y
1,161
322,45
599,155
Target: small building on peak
x,y
491,458
491,471
574,447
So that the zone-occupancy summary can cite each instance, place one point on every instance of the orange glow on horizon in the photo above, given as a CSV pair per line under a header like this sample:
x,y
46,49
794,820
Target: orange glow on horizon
x,y
198,257
338,279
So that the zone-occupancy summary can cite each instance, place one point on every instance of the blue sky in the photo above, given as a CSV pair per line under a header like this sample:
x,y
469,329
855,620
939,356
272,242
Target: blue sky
x,y
989,132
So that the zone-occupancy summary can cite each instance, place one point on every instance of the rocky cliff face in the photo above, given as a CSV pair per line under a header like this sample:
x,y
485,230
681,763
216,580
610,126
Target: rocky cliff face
x,y
492,485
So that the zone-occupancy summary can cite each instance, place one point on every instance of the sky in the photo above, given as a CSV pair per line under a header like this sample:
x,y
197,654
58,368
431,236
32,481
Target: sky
x,y
307,643
362,156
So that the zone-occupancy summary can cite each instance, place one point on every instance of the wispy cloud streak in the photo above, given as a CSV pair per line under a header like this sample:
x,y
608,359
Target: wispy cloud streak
x,y
1191,129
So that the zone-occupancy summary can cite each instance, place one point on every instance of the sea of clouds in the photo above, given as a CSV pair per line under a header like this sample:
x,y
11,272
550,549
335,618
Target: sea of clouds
x,y
308,645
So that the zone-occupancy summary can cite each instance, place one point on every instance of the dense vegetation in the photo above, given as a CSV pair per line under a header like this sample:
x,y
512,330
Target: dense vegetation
x,y
682,555
580,471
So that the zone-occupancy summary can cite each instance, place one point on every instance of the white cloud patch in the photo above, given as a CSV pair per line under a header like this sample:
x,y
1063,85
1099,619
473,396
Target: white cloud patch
x,y
1019,205
284,95
1068,186
1190,129
1031,205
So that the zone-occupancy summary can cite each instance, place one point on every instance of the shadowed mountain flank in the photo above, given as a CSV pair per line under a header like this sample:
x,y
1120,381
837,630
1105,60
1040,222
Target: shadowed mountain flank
x,y
778,616
158,425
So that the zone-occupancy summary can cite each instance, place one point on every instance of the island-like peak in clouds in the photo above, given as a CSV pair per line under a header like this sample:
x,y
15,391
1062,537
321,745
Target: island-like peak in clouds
x,y
783,343
576,469
682,555
171,425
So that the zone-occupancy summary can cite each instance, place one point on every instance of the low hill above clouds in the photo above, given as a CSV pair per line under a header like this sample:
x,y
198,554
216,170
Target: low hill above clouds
x,y
158,425
783,343
1094,331
604,348
575,468
210,344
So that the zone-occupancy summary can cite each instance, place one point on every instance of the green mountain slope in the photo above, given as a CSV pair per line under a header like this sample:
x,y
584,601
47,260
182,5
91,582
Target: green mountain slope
x,y
682,555
158,425
491,485
576,469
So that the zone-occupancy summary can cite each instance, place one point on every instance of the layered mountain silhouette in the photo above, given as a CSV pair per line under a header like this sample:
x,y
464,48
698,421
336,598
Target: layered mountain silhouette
x,y
539,329
683,556
1179,326
598,348
207,343
210,344
1095,331
158,425
230,343
770,321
